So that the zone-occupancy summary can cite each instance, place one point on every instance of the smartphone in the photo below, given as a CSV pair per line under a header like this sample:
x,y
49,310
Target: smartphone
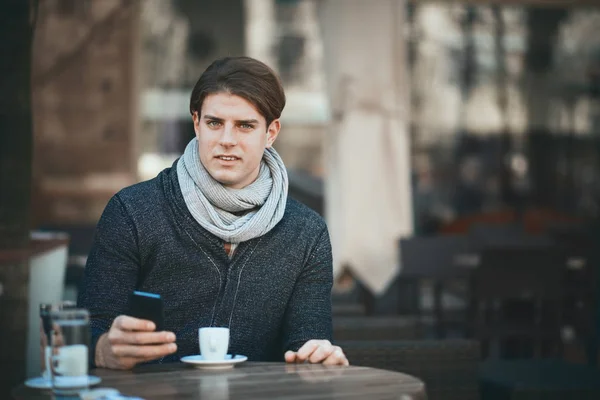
x,y
147,306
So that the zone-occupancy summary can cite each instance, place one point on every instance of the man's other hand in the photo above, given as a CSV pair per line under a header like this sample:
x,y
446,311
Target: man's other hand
x,y
318,352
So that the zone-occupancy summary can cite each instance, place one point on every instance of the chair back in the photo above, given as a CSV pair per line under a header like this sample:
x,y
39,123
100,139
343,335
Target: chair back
x,y
432,257
447,367
376,328
516,304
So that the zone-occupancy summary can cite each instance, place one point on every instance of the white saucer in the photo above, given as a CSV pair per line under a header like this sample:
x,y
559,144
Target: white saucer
x,y
200,362
43,383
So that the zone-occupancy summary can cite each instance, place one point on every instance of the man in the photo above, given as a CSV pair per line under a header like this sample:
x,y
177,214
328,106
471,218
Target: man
x,y
217,237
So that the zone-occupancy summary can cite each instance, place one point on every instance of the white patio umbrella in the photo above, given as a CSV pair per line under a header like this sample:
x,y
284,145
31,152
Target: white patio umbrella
x,y
368,186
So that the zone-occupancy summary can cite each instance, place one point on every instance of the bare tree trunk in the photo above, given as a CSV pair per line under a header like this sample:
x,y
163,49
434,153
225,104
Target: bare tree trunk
x,y
506,190
543,24
468,74
15,180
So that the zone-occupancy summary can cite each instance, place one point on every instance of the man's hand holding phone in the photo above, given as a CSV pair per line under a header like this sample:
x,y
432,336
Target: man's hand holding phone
x,y
132,340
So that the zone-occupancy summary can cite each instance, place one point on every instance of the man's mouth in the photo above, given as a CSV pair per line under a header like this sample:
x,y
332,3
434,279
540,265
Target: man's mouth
x,y
228,158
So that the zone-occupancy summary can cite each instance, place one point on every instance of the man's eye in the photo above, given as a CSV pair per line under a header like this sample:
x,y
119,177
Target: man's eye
x,y
213,124
246,126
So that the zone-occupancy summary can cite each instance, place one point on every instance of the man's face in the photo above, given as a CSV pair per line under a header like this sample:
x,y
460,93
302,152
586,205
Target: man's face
x,y
232,136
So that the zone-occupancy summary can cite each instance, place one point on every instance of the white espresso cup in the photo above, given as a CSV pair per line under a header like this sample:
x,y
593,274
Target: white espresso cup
x,y
71,360
214,343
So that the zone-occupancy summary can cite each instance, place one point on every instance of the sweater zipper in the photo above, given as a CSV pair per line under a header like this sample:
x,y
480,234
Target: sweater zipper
x,y
221,296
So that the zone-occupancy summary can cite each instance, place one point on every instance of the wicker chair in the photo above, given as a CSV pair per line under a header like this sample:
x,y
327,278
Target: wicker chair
x,y
376,328
528,284
448,367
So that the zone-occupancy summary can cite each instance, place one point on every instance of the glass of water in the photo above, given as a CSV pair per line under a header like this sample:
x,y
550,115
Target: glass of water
x,y
70,343
46,333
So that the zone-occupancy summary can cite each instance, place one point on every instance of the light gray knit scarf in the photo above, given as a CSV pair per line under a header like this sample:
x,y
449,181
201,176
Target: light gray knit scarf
x,y
234,215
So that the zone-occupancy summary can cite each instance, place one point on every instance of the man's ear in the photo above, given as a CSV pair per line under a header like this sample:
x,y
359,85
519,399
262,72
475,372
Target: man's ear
x,y
272,132
196,119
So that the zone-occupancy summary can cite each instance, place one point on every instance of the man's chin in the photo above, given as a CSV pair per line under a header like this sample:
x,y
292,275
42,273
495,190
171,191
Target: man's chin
x,y
227,180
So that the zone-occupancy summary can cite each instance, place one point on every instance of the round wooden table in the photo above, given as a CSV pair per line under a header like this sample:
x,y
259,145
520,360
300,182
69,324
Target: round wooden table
x,y
254,380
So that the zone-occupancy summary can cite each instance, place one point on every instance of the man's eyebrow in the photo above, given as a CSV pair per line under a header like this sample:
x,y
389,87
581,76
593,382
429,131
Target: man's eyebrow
x,y
212,117
247,121
239,121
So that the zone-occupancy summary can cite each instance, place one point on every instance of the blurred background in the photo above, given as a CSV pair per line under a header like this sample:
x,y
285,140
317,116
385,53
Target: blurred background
x,y
504,100
436,138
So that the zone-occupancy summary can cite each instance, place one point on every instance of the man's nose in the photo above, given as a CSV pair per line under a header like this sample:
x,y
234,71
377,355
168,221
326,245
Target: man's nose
x,y
228,136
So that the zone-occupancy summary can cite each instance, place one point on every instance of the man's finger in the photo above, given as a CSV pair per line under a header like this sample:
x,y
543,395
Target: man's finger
x,y
337,357
307,349
127,323
127,363
290,356
140,338
149,352
321,353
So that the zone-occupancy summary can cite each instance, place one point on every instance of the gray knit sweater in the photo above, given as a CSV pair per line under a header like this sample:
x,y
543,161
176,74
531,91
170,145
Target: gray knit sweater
x,y
274,294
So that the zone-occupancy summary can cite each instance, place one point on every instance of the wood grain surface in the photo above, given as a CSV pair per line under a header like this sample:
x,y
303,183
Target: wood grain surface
x,y
253,380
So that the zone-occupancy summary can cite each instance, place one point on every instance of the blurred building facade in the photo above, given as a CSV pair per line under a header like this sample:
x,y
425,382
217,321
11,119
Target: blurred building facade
x,y
504,100
181,37
504,109
84,82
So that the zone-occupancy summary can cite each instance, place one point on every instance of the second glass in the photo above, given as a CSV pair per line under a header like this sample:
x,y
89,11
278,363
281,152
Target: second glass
x,y
46,333
70,343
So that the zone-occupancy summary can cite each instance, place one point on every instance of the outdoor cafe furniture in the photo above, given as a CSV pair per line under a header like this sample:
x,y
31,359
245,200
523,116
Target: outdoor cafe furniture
x,y
447,367
376,328
254,380
536,379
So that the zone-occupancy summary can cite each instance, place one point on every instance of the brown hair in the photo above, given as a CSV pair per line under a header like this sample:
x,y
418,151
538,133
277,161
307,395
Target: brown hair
x,y
244,77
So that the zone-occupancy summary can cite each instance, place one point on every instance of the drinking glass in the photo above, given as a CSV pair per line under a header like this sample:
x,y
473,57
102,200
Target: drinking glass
x,y
46,333
70,343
